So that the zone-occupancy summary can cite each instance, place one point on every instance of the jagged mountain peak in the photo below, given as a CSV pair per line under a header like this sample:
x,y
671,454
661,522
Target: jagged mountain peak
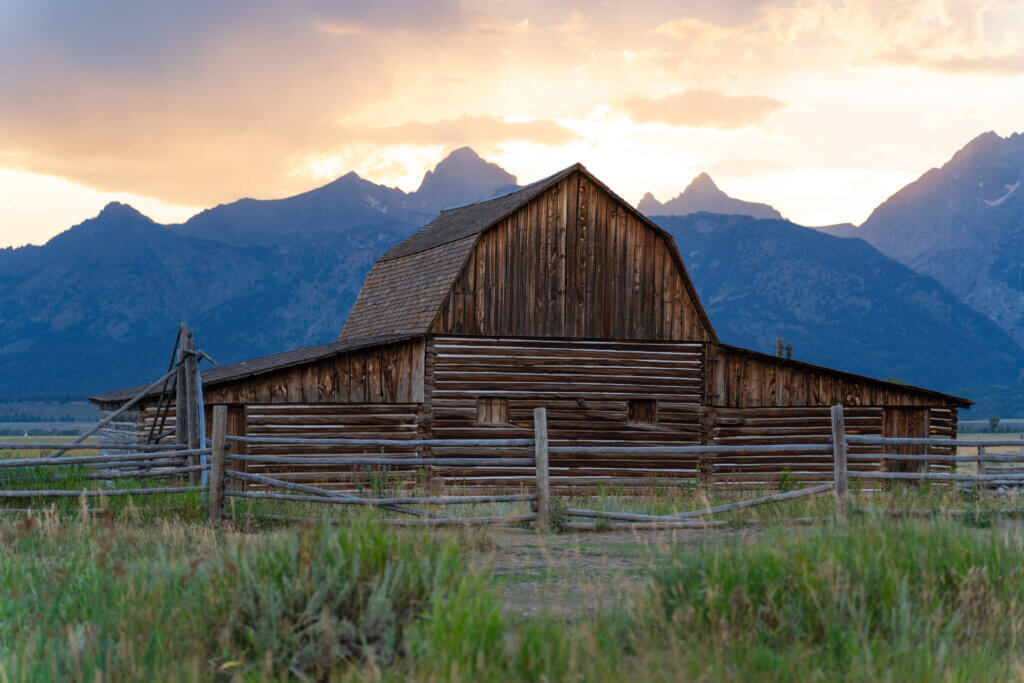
x,y
460,178
121,211
702,183
702,194
981,144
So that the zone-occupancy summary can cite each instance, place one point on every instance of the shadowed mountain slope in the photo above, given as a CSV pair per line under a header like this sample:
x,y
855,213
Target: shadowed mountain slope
x,y
963,224
841,302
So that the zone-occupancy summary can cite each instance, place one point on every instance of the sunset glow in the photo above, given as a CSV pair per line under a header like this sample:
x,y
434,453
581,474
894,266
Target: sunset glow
x,y
820,108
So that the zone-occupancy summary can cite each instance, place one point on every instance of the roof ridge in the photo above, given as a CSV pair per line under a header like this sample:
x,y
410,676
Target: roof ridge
x,y
521,188
459,222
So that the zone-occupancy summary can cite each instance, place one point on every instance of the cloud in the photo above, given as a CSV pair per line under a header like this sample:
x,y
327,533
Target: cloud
x,y
950,36
471,130
196,102
703,109
341,29
503,27
1011,64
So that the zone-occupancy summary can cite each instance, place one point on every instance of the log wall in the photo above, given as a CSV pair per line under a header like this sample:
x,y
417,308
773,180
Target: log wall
x,y
585,386
147,415
332,421
574,263
597,393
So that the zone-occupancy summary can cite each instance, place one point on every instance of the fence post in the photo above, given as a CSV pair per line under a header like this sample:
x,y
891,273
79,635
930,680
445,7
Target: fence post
x,y
841,489
981,468
220,423
540,454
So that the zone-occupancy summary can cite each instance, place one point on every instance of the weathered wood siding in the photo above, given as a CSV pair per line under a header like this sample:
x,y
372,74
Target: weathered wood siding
x,y
391,373
147,415
771,426
119,432
586,387
745,379
765,426
333,421
574,263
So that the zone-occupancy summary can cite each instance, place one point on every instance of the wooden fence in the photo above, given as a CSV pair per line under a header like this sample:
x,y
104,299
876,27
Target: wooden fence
x,y
172,461
994,470
273,488
224,481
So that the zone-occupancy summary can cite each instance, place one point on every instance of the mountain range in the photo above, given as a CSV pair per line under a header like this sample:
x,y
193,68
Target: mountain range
x,y
96,307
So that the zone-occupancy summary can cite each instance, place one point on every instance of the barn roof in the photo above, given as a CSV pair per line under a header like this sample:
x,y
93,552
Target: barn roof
x,y
958,400
408,284
258,366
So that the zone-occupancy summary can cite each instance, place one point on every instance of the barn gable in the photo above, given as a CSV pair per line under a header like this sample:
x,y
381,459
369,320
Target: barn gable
x,y
564,257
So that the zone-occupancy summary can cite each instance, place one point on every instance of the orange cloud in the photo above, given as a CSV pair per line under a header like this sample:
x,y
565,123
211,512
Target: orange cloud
x,y
471,130
703,109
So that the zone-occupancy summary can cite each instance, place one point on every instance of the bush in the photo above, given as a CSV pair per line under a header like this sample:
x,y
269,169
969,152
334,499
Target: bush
x,y
323,597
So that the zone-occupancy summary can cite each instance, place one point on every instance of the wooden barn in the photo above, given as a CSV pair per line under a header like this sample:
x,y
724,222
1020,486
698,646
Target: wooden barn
x,y
560,295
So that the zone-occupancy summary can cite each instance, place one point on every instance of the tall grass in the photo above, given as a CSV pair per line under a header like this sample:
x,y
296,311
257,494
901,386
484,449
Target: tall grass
x,y
91,601
877,599
873,600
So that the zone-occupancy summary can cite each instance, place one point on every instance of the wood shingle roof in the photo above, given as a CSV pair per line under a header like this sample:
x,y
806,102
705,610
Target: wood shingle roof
x,y
407,285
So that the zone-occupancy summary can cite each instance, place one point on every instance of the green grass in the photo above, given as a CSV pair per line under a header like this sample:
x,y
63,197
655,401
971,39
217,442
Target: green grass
x,y
120,599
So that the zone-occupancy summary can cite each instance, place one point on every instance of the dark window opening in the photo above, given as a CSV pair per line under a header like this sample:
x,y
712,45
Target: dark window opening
x,y
643,411
492,411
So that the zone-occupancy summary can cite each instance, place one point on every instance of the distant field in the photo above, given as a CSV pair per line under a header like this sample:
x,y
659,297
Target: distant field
x,y
45,439
988,437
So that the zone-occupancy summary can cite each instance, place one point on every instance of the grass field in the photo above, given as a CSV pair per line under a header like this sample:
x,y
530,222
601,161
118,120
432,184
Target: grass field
x,y
120,599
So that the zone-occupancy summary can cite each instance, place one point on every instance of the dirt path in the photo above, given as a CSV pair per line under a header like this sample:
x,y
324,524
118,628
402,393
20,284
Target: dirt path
x,y
576,574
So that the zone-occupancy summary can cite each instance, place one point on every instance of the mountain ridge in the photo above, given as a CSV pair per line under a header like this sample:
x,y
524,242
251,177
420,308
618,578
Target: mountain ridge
x,y
702,194
260,276
963,224
461,177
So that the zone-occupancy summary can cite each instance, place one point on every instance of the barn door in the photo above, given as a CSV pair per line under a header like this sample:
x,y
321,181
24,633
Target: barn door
x,y
904,422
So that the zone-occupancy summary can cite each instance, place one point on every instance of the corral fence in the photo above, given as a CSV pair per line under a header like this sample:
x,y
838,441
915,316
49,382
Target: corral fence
x,y
28,477
212,471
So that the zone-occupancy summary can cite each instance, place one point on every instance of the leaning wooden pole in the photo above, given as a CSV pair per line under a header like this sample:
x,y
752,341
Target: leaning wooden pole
x,y
181,390
192,399
220,424
109,418
841,488
540,450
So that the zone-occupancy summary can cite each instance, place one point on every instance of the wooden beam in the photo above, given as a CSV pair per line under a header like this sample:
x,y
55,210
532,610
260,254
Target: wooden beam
x,y
220,420
540,456
839,469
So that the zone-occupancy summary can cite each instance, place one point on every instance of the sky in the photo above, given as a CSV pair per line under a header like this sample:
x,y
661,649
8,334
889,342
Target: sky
x,y
822,108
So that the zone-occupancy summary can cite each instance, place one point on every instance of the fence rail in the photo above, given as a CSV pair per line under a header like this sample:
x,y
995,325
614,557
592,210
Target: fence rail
x,y
223,479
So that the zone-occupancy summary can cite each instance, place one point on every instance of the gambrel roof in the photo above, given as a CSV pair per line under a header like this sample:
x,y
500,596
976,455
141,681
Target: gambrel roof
x,y
407,285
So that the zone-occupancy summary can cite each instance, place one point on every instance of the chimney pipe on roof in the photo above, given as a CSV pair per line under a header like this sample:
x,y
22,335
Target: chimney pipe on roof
x,y
789,350
778,347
